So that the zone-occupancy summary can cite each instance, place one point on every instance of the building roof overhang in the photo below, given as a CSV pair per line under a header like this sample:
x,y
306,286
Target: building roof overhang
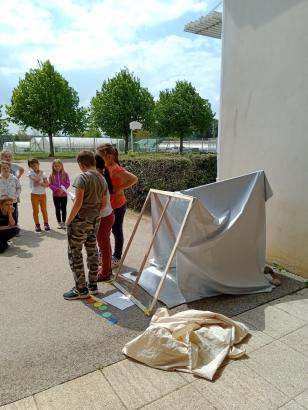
x,y
209,25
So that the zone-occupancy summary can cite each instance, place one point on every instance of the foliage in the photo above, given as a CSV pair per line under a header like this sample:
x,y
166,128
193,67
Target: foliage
x,y
21,135
120,101
181,111
3,124
183,171
44,100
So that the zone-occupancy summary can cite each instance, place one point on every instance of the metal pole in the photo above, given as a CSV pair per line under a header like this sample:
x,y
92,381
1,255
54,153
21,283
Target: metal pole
x,y
131,141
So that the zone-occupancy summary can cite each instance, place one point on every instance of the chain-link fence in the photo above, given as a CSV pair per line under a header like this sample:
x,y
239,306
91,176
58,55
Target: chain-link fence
x,y
67,145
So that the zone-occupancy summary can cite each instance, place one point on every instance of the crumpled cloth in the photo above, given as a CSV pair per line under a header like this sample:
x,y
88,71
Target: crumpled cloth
x,y
192,341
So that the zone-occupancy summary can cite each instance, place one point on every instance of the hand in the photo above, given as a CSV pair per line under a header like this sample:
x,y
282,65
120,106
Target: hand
x,y
11,209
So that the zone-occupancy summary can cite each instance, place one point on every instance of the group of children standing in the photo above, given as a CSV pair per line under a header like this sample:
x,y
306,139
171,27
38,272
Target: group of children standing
x,y
99,207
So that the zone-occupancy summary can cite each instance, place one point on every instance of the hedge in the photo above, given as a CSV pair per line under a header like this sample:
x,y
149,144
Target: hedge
x,y
168,173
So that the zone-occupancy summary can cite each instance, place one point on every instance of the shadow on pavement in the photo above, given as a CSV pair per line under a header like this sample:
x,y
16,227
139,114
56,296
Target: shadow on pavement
x,y
232,305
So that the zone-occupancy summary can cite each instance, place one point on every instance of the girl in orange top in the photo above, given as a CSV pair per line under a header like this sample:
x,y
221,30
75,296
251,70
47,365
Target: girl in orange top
x,y
121,180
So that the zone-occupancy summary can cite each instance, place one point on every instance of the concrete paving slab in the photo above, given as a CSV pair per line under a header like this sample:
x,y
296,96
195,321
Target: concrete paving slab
x,y
24,404
296,305
281,366
271,320
237,387
138,385
302,399
292,405
186,398
304,292
298,340
255,339
88,392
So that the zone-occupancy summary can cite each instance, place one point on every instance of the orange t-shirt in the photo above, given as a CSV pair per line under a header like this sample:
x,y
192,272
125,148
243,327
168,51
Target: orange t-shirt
x,y
117,200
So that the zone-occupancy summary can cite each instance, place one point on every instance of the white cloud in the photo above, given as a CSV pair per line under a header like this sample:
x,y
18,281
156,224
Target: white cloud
x,y
77,35
97,34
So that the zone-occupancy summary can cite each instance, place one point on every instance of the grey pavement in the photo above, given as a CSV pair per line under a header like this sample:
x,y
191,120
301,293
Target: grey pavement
x,y
272,375
57,354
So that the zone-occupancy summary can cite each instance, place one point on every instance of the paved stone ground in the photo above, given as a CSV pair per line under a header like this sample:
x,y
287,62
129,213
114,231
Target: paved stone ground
x,y
46,341
273,374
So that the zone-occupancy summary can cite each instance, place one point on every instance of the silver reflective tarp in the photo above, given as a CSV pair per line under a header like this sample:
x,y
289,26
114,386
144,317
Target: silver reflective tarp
x,y
221,245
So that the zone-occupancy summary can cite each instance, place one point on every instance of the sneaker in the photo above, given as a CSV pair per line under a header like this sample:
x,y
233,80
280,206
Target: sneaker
x,y
93,288
59,225
63,225
47,227
115,262
75,293
38,228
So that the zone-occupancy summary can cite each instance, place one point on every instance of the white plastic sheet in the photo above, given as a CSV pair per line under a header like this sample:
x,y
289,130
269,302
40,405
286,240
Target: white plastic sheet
x,y
221,246
192,341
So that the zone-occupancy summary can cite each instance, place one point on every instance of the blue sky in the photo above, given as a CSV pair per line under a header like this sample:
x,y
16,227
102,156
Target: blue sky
x,y
90,41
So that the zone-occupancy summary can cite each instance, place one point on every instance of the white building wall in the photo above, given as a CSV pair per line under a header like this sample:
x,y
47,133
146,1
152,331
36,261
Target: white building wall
x,y
264,114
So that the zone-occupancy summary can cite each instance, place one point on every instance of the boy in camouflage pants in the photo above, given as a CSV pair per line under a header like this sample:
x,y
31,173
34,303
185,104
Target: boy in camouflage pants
x,y
82,226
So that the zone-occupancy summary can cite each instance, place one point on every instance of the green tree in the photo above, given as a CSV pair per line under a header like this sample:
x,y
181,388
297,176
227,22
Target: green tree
x,y
181,111
91,132
44,100
120,101
3,123
21,135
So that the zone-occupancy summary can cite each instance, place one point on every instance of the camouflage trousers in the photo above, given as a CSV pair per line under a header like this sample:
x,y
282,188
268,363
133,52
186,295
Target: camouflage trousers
x,y
82,231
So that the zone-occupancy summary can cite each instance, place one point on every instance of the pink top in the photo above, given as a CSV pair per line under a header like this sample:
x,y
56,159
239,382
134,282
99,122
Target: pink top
x,y
55,182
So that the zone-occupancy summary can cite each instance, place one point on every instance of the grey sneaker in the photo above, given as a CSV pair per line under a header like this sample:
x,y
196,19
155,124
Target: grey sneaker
x,y
75,293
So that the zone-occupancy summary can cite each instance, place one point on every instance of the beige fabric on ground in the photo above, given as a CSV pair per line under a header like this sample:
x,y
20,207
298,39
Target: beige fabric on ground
x,y
192,341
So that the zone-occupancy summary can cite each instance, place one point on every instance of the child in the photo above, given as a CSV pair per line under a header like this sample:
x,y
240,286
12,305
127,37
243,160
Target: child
x,y
121,179
8,228
82,226
38,185
58,178
106,222
7,156
9,186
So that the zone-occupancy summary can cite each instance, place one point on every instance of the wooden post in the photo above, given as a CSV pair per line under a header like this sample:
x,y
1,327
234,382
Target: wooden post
x,y
171,257
132,235
172,234
151,244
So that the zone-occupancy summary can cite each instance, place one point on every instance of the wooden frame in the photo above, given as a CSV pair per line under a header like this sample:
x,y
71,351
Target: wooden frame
x,y
176,238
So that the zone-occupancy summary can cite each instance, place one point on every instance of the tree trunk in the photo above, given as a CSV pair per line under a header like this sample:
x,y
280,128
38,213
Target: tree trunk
x,y
126,144
181,145
52,152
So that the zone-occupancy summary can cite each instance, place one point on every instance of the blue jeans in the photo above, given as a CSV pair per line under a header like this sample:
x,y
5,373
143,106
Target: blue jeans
x,y
117,230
